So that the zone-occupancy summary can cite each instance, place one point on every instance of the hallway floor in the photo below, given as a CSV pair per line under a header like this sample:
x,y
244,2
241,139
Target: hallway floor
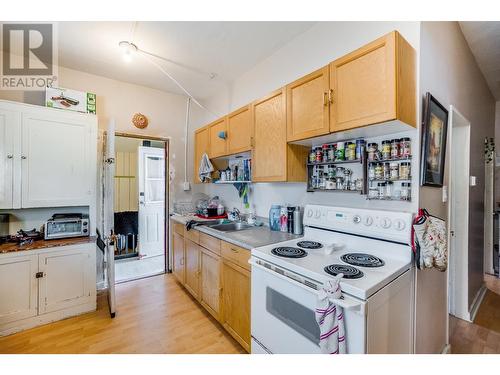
x,y
482,336
154,315
135,268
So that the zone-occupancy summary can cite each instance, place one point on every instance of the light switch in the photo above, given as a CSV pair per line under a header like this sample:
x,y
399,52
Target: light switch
x,y
445,194
473,180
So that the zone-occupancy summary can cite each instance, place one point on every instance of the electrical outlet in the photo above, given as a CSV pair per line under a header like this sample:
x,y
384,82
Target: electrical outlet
x,y
186,186
445,194
473,180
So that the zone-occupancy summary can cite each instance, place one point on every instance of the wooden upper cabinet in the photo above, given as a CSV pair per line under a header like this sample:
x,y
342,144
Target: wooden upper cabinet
x,y
218,145
239,131
272,158
307,106
269,152
201,146
374,84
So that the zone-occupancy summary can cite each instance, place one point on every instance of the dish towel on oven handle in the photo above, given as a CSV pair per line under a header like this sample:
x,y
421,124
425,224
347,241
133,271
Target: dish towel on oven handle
x,y
429,241
330,318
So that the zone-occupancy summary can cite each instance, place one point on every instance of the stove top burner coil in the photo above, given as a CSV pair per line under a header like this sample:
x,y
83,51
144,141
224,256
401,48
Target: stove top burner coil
x,y
289,252
348,271
362,260
309,245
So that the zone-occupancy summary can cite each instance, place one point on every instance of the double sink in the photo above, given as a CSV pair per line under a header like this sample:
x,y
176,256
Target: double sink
x,y
224,226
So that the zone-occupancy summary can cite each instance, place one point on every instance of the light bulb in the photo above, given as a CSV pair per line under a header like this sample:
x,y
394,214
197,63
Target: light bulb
x,y
128,50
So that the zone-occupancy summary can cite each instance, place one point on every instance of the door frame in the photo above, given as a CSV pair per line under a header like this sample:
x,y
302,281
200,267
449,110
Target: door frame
x,y
458,305
166,140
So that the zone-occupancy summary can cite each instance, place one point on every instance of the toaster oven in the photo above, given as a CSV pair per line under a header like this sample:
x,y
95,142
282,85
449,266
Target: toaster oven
x,y
65,226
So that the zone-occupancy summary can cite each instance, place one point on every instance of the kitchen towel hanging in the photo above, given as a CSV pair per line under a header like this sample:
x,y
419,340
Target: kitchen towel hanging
x,y
330,318
206,168
429,241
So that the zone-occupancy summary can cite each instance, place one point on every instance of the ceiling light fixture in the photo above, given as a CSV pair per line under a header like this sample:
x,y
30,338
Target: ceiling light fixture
x,y
129,49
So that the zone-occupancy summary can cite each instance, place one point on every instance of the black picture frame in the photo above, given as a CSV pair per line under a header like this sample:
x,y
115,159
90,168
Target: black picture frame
x,y
434,134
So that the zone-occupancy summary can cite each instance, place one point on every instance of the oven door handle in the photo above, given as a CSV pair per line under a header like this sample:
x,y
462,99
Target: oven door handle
x,y
347,304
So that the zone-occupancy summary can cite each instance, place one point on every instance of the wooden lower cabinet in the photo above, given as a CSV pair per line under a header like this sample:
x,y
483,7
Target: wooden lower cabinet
x,y
178,256
210,282
217,274
192,256
236,302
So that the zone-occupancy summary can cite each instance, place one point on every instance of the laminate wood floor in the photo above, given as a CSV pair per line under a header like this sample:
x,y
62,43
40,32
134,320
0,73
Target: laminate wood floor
x,y
482,336
155,315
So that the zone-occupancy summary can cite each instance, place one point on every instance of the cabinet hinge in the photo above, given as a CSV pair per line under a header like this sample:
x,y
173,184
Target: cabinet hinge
x,y
39,275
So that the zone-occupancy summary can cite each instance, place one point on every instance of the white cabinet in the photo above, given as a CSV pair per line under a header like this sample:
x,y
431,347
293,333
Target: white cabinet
x,y
18,287
50,157
67,279
10,160
42,286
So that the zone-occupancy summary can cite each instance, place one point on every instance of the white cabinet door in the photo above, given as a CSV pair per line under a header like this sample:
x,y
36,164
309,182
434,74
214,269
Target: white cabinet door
x,y
56,157
18,287
67,279
10,162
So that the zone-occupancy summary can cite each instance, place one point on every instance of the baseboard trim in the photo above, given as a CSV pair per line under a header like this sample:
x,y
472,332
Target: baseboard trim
x,y
24,324
476,303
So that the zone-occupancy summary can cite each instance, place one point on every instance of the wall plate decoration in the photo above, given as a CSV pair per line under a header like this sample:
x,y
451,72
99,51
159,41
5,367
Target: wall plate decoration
x,y
140,121
434,130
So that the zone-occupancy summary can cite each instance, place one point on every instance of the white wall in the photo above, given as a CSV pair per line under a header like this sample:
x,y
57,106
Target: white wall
x,y
449,72
497,142
311,50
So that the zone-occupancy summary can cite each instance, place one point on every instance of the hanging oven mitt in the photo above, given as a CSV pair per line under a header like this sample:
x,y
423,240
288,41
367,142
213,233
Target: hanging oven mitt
x,y
429,241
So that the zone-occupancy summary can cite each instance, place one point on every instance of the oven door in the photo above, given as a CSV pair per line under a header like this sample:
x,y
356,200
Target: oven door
x,y
283,320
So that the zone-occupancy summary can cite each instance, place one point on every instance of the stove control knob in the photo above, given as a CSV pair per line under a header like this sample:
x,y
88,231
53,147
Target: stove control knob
x,y
399,224
368,221
385,222
356,219
309,212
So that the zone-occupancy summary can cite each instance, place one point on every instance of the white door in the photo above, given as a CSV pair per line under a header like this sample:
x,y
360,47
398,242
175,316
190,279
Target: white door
x,y
10,158
151,171
109,214
67,280
18,287
55,156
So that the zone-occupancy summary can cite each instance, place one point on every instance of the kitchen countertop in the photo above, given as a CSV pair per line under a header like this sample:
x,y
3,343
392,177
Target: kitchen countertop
x,y
11,247
247,238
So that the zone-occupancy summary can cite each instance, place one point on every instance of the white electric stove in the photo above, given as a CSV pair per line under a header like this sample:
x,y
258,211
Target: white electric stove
x,y
370,249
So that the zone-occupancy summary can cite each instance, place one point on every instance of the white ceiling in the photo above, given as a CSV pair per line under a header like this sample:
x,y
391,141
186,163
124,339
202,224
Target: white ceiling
x,y
484,41
195,49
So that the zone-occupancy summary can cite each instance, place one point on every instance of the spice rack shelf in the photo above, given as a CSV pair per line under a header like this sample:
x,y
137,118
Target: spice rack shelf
x,y
390,180
356,161
389,160
311,190
388,199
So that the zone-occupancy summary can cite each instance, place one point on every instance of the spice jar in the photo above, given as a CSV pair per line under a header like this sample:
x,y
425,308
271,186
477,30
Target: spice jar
x,y
388,189
406,191
405,148
340,152
386,173
331,153
394,175
381,190
372,151
371,171
359,184
324,152
379,171
340,183
395,149
404,171
373,192
350,151
386,149
360,148
319,155
312,155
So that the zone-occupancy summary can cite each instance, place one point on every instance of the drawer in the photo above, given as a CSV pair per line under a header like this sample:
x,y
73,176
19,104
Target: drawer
x,y
210,243
235,254
192,235
178,228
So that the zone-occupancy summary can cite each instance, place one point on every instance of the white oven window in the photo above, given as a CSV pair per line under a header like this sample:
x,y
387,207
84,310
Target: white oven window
x,y
293,314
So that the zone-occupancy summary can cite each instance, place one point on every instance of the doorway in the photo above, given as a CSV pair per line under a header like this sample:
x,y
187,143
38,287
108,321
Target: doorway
x,y
139,207
458,214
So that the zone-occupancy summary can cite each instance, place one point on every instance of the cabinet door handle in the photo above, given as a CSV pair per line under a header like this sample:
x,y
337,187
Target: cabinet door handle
x,y
234,250
182,261
325,98
23,157
252,142
330,96
10,156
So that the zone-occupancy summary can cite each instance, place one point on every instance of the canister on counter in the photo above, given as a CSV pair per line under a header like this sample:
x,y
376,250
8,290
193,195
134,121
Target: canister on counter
x,y
386,149
290,224
297,221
